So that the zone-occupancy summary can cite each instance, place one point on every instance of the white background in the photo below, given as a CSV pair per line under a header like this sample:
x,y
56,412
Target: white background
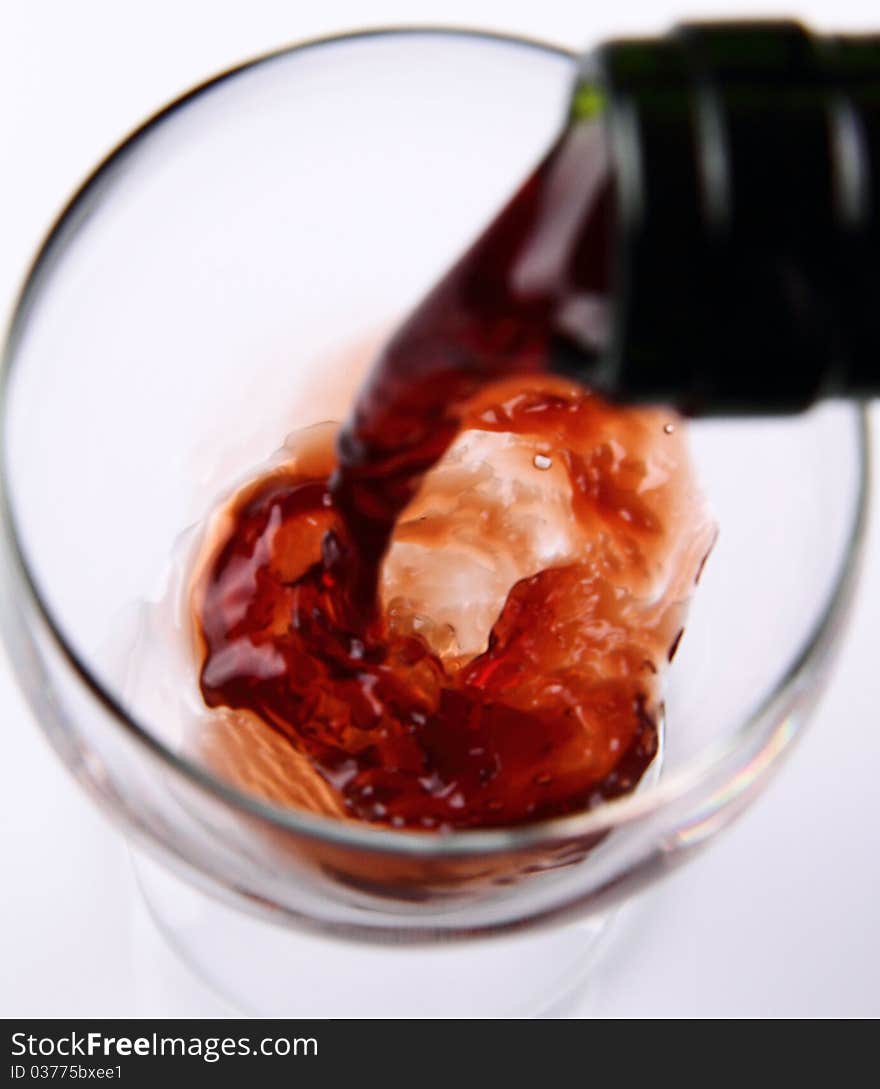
x,y
779,918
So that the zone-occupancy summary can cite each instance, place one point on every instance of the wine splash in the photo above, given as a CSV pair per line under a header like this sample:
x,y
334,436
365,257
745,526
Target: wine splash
x,y
457,611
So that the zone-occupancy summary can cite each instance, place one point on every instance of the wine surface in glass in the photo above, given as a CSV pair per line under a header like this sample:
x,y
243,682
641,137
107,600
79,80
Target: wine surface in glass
x,y
457,609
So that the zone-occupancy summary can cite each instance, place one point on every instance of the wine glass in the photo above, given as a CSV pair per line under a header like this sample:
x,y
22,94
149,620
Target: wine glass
x,y
214,285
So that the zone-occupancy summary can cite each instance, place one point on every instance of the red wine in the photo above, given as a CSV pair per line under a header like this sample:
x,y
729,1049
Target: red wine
x,y
322,602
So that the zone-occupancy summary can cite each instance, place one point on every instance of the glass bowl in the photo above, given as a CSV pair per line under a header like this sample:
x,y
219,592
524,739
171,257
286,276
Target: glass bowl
x,y
206,292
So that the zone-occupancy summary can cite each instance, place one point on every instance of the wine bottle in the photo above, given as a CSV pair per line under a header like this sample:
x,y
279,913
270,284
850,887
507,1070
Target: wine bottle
x,y
744,160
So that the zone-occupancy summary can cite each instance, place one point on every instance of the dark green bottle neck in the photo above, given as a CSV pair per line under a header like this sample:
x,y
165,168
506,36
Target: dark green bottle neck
x,y
746,169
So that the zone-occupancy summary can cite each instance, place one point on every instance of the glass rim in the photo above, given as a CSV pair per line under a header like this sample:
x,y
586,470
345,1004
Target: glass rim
x,y
718,756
